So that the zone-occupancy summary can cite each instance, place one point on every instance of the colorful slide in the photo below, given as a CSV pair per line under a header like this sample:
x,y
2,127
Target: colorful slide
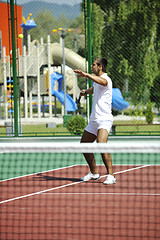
x,y
70,104
118,101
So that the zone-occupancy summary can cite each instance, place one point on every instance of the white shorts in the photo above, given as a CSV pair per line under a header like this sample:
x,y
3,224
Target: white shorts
x,y
94,126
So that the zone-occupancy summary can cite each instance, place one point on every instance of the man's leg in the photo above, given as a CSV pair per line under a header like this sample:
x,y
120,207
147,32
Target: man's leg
x,y
89,138
102,137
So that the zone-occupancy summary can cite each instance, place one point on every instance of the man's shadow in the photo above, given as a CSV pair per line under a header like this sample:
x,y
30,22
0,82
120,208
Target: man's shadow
x,y
42,177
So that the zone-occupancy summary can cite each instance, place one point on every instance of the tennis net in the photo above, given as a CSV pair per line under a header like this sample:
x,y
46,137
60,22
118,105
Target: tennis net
x,y
42,195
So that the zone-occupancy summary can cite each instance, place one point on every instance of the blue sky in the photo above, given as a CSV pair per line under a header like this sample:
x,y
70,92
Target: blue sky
x,y
70,2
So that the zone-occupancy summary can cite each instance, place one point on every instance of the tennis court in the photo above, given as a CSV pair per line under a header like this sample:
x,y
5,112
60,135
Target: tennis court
x,y
42,196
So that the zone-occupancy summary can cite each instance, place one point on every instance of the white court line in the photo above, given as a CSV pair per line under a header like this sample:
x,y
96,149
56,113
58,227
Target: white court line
x,y
37,173
131,169
36,193
66,185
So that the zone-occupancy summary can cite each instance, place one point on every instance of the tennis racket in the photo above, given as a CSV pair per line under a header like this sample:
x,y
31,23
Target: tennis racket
x,y
79,99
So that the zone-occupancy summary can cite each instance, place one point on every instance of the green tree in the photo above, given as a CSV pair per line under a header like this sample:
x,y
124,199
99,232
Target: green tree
x,y
45,24
78,22
97,19
131,43
155,92
149,113
98,16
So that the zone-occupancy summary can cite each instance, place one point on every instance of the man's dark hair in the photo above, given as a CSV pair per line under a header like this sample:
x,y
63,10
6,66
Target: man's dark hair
x,y
103,62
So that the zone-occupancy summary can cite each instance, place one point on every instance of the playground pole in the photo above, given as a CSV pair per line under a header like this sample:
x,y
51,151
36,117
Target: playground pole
x,y
49,74
14,69
25,83
63,53
89,45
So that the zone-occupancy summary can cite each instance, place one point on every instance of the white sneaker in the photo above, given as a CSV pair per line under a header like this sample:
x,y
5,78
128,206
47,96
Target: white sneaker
x,y
90,176
110,179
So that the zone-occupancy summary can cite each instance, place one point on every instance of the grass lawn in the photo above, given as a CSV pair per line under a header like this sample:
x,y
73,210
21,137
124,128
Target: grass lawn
x,y
42,130
138,130
39,130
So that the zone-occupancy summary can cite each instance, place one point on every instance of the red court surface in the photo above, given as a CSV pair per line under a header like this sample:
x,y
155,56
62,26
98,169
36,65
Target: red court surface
x,y
57,205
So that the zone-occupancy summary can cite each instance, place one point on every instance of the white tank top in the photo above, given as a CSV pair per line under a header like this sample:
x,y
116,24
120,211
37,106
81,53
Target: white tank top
x,y
102,101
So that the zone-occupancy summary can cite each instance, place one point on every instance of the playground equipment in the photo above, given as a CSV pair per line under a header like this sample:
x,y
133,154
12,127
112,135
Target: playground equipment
x,y
118,101
10,95
41,61
63,33
32,67
70,104
29,23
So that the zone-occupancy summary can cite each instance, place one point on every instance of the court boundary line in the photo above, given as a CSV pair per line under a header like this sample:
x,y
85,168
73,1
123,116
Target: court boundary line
x,y
62,186
131,169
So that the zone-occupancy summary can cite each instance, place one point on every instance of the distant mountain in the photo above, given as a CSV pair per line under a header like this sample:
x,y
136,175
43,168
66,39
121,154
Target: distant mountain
x,y
71,12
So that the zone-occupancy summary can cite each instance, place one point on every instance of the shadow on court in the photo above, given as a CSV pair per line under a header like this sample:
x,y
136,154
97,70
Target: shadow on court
x,y
41,177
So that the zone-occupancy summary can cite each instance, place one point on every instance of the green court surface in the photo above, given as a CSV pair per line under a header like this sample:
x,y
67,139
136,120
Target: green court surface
x,y
19,164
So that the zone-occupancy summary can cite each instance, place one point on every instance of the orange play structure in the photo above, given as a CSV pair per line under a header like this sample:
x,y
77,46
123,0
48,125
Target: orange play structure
x,y
4,26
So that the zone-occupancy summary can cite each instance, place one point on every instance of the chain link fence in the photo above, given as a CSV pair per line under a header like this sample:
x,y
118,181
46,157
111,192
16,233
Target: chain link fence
x,y
55,43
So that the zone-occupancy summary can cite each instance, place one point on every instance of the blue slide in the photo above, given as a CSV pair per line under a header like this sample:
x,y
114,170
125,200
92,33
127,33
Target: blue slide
x,y
70,104
118,101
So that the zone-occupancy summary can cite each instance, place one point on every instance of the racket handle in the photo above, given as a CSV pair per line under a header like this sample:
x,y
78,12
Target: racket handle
x,y
78,102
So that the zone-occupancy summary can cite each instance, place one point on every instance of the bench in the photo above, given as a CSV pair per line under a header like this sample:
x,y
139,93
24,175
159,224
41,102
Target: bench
x,y
5,126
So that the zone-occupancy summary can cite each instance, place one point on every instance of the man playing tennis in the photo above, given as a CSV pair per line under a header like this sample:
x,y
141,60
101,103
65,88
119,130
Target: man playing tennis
x,y
101,118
